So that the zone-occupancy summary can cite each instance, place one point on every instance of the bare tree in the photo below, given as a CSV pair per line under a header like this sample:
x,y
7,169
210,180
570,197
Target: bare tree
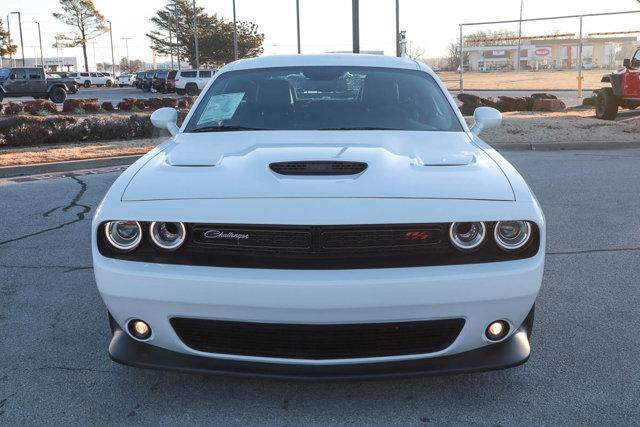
x,y
6,48
83,15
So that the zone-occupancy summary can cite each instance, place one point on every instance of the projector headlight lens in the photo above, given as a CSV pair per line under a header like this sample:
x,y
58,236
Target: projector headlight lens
x,y
123,236
512,235
467,236
168,236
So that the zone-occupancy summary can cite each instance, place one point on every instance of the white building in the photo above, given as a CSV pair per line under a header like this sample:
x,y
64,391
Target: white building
x,y
63,63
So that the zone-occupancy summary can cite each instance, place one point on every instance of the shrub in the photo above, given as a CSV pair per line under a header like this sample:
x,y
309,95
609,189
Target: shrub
x,y
169,102
154,103
72,106
91,106
1,108
124,106
12,109
40,107
140,104
185,102
107,106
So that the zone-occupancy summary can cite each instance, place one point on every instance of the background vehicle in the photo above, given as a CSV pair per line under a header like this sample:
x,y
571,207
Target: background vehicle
x,y
93,79
126,80
624,91
171,81
191,82
147,80
16,82
159,81
137,82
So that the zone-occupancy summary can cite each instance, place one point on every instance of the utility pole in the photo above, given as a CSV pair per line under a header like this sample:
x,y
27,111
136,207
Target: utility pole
x,y
126,44
21,39
519,36
195,33
113,61
11,62
40,39
355,15
235,33
298,23
398,52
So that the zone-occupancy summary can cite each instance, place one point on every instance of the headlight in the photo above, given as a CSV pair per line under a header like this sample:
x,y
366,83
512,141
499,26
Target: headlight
x,y
124,236
512,235
467,236
168,236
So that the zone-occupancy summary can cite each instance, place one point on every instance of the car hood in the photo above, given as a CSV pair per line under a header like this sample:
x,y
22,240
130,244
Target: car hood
x,y
402,164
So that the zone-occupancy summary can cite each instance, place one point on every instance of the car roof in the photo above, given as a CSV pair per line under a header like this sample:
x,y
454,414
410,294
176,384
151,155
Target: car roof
x,y
333,59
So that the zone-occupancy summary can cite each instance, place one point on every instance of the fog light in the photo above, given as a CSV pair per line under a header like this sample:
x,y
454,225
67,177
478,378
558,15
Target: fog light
x,y
139,329
497,330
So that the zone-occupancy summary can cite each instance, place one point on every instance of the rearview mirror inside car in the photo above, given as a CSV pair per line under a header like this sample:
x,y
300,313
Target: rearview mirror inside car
x,y
166,118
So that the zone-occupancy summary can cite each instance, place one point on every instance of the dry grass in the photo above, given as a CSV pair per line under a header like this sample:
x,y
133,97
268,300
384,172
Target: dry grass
x,y
573,127
64,152
542,80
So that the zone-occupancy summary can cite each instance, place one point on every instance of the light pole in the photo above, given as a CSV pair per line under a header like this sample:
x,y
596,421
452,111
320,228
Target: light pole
x,y
175,22
40,39
113,61
398,52
519,36
195,33
126,44
355,16
235,32
21,40
298,23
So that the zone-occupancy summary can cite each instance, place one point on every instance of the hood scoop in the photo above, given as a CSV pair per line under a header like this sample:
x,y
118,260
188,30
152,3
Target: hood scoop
x,y
318,168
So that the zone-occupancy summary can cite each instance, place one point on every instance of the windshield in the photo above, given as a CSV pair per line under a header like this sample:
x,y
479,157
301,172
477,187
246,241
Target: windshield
x,y
324,98
4,72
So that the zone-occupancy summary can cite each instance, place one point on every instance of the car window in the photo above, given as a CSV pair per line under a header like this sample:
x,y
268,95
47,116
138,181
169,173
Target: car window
x,y
4,72
19,74
161,74
35,74
205,74
188,73
72,74
84,74
326,98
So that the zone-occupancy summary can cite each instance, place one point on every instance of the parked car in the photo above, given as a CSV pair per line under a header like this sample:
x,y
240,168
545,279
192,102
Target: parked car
x,y
624,89
126,80
322,217
88,79
159,81
191,82
137,82
171,81
21,81
147,80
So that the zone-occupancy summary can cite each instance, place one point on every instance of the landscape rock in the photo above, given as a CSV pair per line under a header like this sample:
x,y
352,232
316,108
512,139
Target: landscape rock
x,y
543,96
552,105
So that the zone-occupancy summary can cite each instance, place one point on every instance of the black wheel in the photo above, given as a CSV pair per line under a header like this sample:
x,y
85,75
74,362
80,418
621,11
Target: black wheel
x,y
181,91
87,83
109,83
192,89
57,95
606,104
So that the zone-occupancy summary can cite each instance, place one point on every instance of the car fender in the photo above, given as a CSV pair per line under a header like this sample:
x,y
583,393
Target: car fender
x,y
53,85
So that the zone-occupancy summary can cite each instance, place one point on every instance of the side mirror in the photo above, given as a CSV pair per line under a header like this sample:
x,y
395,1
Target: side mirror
x,y
166,118
485,118
626,63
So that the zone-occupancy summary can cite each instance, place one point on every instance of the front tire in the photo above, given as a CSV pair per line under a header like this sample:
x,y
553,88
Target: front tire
x,y
87,84
606,104
192,89
57,95
109,84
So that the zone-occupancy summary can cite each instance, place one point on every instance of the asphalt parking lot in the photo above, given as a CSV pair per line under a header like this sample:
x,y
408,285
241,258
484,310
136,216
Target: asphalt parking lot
x,y
54,367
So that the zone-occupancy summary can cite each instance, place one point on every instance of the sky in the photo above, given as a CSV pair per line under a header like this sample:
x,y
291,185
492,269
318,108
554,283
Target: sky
x,y
326,24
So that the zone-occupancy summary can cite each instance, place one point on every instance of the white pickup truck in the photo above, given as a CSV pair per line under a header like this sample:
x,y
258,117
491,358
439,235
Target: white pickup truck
x,y
93,79
191,82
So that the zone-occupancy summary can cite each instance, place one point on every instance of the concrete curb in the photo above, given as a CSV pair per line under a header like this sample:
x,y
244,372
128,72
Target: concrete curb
x,y
42,168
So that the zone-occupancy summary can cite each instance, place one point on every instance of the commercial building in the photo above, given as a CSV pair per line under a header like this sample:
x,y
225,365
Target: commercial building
x,y
552,53
52,64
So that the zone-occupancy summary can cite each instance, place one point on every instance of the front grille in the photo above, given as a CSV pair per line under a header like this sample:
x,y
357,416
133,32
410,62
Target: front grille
x,y
297,341
319,247
322,168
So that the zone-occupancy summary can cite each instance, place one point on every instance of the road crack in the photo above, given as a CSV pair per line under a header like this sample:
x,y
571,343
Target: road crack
x,y
593,251
74,203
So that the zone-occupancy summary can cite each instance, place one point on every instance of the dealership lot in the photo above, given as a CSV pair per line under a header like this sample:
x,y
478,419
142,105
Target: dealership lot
x,y
584,367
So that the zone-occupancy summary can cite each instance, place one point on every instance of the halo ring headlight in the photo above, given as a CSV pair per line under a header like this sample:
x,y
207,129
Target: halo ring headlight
x,y
123,236
167,236
467,236
512,235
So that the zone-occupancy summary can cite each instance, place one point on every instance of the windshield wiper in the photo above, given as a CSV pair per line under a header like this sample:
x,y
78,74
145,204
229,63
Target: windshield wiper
x,y
360,128
224,128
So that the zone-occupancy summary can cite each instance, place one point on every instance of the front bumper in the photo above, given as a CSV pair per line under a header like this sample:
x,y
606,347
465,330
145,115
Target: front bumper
x,y
507,354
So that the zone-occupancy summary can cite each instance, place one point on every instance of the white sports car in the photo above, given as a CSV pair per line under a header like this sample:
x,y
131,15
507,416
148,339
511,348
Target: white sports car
x,y
327,216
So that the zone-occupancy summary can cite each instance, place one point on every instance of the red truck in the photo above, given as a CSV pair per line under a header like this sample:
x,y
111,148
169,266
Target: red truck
x,y
624,91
